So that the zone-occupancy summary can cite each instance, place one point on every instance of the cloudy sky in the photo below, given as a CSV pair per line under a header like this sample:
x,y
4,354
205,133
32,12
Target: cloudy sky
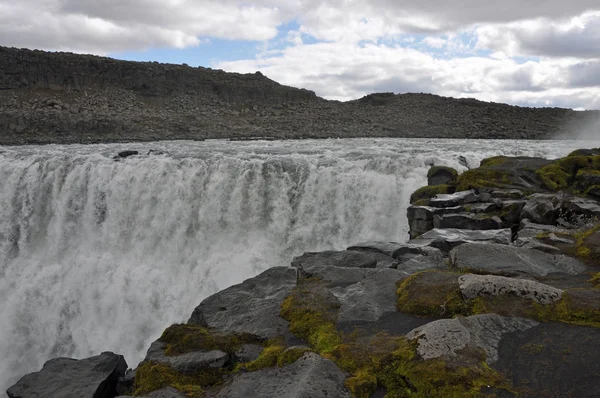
x,y
525,52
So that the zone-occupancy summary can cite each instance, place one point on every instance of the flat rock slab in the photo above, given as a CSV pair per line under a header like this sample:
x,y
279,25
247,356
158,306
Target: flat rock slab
x,y
252,306
347,259
473,286
393,323
387,248
552,360
421,263
94,377
370,298
446,337
455,199
311,376
447,239
188,362
512,261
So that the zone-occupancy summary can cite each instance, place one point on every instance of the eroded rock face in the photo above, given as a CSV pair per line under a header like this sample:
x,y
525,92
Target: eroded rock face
x,y
473,286
512,261
251,307
311,376
95,377
467,221
446,337
347,259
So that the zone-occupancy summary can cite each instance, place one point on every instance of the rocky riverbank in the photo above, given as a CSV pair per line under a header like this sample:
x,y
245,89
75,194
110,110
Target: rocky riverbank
x,y
496,295
68,98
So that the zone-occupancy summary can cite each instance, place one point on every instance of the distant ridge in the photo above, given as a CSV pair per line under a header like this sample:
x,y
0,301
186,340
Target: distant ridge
x,y
48,97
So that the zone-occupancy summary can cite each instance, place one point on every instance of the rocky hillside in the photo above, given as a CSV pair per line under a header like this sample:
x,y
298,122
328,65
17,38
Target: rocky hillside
x,y
67,98
497,295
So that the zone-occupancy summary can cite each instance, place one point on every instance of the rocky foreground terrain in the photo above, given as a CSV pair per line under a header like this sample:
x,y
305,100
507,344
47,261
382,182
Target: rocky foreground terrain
x,y
496,295
67,98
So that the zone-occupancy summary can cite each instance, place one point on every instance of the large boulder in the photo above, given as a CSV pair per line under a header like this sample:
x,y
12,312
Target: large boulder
x,y
251,307
447,239
94,377
311,376
512,261
473,286
447,337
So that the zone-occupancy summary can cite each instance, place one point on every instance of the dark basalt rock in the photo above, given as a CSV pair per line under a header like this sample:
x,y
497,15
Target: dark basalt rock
x,y
94,377
188,362
387,248
251,307
467,221
126,154
441,175
552,360
347,259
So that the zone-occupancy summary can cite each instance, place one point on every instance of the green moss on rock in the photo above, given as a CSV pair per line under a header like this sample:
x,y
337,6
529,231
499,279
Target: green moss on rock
x,y
151,376
494,161
482,178
429,192
182,338
562,173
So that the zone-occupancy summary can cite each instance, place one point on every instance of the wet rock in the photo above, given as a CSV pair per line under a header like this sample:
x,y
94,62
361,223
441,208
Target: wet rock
x,y
455,199
463,161
446,337
473,286
420,218
65,377
188,362
249,352
421,263
441,175
126,154
512,261
370,298
126,384
542,209
311,376
467,221
252,306
447,239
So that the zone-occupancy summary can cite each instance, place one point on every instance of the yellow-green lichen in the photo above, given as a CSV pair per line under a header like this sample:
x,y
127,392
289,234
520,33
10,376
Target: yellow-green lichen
x,y
267,359
494,161
567,310
291,355
562,173
596,280
429,192
151,376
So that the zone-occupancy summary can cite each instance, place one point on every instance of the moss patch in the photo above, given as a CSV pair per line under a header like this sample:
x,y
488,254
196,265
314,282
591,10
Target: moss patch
x,y
381,361
596,280
482,178
429,192
494,161
182,338
435,170
152,376
561,174
577,306
433,294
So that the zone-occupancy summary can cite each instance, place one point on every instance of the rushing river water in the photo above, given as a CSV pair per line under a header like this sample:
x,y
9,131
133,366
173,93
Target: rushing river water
x,y
102,255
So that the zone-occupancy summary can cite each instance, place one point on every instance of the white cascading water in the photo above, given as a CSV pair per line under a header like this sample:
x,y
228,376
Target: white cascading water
x,y
102,255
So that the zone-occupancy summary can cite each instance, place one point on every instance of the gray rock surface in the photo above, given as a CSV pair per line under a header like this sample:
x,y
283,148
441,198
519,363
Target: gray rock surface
x,y
370,298
249,352
95,377
311,376
387,248
188,362
167,392
252,306
446,337
447,239
473,286
512,261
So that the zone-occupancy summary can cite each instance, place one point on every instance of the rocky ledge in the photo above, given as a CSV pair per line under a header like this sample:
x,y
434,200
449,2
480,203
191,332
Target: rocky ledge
x,y
68,98
497,294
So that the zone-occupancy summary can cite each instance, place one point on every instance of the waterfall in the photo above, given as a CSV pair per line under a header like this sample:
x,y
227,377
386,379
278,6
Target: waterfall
x,y
98,254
